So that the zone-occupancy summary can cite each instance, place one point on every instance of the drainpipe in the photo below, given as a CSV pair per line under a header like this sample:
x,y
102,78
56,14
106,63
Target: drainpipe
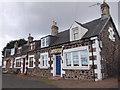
x,y
50,58
91,42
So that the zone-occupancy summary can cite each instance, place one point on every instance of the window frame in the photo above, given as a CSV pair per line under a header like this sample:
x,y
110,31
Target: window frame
x,y
31,56
30,62
46,42
46,61
18,60
75,33
75,50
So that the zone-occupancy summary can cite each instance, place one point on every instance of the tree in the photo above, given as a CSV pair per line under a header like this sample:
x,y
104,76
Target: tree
x,y
10,45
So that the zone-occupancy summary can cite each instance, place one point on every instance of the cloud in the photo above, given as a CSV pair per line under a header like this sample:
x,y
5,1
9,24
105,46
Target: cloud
x,y
17,19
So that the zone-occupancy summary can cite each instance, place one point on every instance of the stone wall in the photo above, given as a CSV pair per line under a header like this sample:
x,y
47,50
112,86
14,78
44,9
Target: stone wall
x,y
39,72
79,74
110,52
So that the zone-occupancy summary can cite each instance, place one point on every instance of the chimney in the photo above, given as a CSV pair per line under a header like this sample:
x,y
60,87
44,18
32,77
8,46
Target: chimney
x,y
30,39
16,45
105,10
54,28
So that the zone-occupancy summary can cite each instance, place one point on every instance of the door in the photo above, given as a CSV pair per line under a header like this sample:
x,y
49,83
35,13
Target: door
x,y
23,65
58,65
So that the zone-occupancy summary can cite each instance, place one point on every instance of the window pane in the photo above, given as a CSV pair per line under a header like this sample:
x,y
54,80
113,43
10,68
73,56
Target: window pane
x,y
31,62
44,60
84,58
75,59
43,42
47,41
68,59
75,33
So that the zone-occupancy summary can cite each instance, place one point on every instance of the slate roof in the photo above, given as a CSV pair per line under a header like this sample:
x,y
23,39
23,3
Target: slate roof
x,y
62,37
94,28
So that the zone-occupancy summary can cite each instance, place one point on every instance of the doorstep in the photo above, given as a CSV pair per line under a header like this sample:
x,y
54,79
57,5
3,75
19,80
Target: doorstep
x,y
57,77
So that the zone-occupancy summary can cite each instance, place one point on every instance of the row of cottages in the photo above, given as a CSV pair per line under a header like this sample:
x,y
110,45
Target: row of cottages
x,y
85,51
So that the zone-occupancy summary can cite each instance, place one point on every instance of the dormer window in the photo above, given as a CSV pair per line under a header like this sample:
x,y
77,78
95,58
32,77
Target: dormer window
x,y
12,51
45,42
75,33
19,50
32,46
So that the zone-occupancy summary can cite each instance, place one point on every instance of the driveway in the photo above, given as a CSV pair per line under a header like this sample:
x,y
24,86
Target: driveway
x,y
16,82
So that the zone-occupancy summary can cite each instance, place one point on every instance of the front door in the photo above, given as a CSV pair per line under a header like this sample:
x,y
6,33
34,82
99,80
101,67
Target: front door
x,y
23,65
58,65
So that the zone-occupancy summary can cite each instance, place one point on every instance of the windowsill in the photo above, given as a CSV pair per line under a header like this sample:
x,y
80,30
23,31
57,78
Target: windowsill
x,y
3,67
17,67
43,67
77,67
30,67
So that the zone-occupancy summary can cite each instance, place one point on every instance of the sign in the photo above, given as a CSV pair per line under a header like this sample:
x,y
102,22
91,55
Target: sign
x,y
56,51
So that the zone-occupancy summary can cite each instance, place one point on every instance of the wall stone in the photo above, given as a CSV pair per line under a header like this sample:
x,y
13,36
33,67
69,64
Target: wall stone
x,y
39,72
79,74
110,52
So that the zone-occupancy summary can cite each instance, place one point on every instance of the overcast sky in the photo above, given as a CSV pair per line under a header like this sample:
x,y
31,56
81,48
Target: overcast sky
x,y
19,19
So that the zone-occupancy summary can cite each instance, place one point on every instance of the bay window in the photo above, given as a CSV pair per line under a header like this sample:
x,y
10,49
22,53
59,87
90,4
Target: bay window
x,y
76,58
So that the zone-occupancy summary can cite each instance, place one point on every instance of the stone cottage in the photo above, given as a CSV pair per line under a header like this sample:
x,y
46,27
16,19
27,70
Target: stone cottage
x,y
86,51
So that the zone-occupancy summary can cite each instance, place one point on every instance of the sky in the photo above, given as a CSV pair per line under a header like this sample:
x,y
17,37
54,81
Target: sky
x,y
18,19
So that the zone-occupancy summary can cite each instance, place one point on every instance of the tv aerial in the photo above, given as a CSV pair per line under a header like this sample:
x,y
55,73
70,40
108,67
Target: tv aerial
x,y
96,4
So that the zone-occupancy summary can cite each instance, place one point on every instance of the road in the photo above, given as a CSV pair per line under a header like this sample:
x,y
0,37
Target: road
x,y
15,82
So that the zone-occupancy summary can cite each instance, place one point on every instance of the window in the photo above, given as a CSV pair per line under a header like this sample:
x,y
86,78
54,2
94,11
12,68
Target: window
x,y
31,62
18,62
19,50
84,58
44,60
32,46
45,42
77,58
12,51
75,33
4,64
11,62
68,59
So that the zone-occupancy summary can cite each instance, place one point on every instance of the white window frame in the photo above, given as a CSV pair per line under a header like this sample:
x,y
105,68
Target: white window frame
x,y
73,50
16,60
29,61
45,39
75,33
4,64
11,63
12,51
41,62
31,46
